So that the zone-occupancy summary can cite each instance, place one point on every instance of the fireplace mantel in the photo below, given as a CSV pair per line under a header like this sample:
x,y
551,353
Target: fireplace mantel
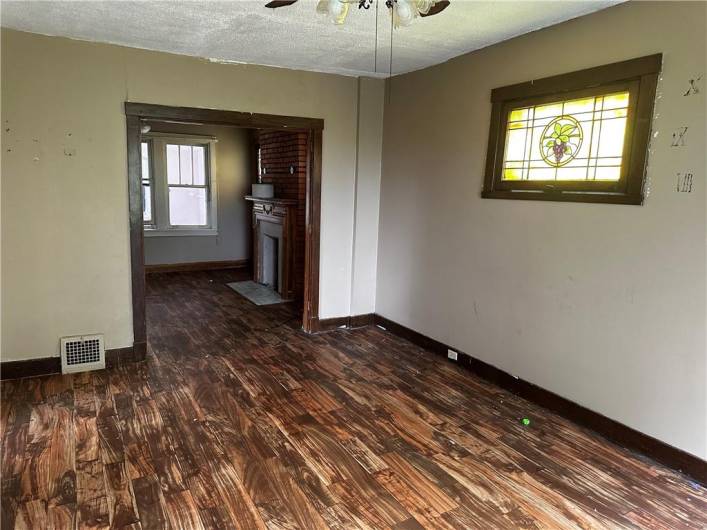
x,y
272,200
268,212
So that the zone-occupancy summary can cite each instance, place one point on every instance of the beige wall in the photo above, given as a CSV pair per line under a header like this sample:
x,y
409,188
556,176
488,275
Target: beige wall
x,y
602,304
367,196
65,254
232,174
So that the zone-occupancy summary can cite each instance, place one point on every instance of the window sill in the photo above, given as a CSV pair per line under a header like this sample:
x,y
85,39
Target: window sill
x,y
181,232
564,196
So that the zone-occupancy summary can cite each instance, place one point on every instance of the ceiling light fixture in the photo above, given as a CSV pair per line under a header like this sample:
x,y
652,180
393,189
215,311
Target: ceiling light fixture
x,y
336,10
403,12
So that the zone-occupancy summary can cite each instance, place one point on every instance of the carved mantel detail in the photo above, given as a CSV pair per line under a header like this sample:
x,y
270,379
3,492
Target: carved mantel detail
x,y
281,212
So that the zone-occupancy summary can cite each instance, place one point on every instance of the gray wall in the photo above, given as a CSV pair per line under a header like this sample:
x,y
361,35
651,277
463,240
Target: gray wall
x,y
602,304
233,176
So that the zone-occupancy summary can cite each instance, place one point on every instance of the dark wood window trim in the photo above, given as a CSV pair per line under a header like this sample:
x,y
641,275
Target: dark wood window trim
x,y
638,76
135,113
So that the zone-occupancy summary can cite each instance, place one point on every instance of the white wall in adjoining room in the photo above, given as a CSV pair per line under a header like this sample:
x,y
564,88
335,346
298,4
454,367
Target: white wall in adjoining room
x,y
232,176
602,304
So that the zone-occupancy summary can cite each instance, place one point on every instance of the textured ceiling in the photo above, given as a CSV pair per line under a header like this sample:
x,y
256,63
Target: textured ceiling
x,y
296,36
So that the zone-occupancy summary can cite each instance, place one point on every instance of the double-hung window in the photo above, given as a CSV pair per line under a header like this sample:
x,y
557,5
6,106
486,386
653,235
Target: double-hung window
x,y
179,191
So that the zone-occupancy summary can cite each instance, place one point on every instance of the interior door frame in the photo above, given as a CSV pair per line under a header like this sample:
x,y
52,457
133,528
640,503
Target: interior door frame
x,y
136,113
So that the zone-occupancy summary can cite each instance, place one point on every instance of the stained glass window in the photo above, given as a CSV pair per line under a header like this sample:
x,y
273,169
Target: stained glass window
x,y
573,140
576,137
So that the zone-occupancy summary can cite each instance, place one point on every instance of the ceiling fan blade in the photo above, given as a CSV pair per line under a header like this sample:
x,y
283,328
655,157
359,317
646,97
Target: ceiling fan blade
x,y
437,8
279,3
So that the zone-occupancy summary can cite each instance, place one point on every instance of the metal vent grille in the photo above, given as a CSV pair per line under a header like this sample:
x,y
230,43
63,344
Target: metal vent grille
x,y
79,354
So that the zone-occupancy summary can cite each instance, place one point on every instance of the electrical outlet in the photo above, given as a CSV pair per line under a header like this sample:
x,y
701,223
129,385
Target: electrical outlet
x,y
451,354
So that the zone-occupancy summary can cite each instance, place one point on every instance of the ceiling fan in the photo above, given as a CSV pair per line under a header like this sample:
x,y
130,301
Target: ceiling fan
x,y
402,11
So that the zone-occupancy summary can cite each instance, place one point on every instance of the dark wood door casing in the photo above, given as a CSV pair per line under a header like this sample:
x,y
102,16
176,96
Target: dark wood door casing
x,y
311,244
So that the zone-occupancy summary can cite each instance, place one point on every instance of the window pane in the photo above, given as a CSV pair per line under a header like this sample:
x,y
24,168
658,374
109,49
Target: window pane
x,y
187,206
511,174
538,173
567,140
515,145
172,164
571,173
607,173
611,140
578,106
185,176
199,165
146,203
145,151
616,101
518,115
551,110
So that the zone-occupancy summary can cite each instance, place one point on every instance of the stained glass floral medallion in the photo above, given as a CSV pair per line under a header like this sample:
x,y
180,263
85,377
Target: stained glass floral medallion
x,y
561,141
578,139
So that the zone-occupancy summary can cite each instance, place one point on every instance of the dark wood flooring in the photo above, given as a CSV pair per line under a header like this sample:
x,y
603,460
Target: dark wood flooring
x,y
239,420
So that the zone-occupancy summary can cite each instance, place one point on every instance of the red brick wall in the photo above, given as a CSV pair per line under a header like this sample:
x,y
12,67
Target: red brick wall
x,y
278,151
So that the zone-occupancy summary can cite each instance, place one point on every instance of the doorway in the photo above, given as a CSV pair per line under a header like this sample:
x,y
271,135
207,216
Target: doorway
x,y
137,114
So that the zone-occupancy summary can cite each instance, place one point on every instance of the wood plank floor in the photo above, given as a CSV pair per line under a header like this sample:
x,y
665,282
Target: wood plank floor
x,y
239,420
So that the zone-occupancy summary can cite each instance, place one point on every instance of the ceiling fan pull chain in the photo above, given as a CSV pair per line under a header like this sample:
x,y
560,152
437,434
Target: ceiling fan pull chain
x,y
375,49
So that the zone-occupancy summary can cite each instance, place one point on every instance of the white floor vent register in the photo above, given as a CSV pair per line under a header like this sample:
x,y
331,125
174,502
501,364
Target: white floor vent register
x,y
81,354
